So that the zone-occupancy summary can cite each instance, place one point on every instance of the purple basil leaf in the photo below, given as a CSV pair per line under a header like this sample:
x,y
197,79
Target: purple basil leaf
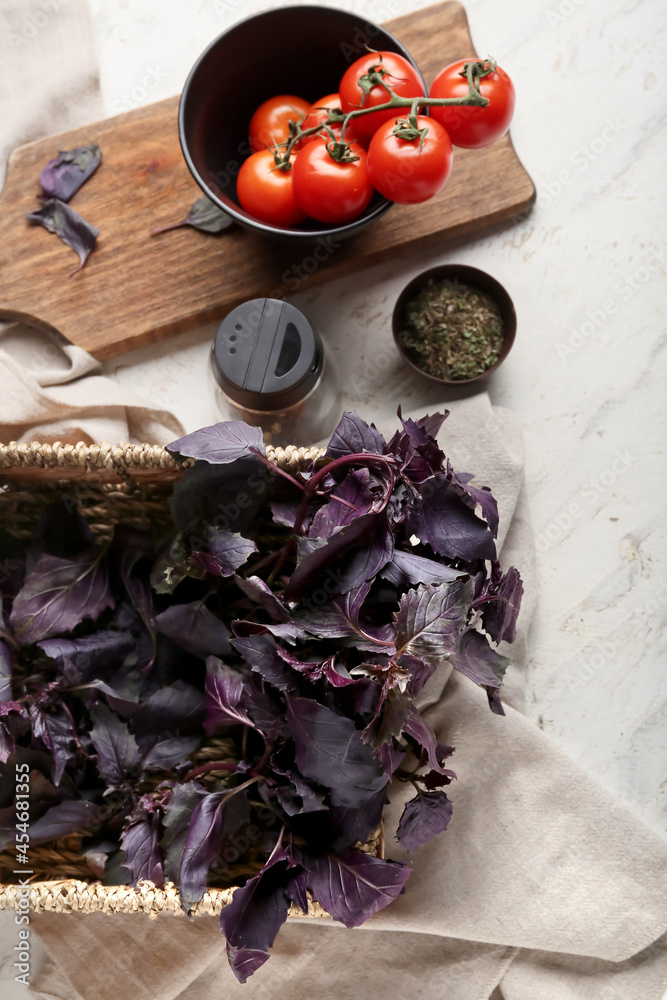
x,y
262,595
474,495
220,444
423,817
176,822
173,564
352,886
390,757
73,230
229,549
314,670
299,796
353,436
360,550
407,567
329,749
195,629
353,826
7,742
367,561
228,497
133,545
71,816
169,751
6,665
500,606
217,815
423,735
354,490
204,215
90,656
54,729
244,962
224,692
265,708
436,779
432,423
69,170
178,706
339,619
495,704
117,750
60,531
419,672
289,631
59,594
261,654
439,517
419,451
255,915
390,721
430,619
143,857
475,658
297,890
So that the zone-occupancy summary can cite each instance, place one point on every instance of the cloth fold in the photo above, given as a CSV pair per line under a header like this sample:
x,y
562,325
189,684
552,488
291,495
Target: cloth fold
x,y
542,888
50,390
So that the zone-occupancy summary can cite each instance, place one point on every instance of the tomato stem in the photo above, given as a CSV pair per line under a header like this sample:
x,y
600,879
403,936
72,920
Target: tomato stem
x,y
473,71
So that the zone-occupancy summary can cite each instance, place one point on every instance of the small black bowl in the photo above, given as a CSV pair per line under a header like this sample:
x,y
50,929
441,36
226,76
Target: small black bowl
x,y
290,50
475,278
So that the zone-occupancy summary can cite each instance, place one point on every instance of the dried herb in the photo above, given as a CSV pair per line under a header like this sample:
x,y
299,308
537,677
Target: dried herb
x,y
204,216
452,330
72,229
68,171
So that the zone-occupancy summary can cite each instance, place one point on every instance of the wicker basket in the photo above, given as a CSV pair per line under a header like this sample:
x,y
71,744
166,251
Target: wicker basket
x,y
112,483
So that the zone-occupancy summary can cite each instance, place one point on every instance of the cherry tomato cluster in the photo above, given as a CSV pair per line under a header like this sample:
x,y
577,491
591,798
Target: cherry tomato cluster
x,y
313,161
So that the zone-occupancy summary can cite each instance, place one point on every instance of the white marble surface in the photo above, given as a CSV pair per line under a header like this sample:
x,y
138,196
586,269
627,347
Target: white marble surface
x,y
587,374
586,271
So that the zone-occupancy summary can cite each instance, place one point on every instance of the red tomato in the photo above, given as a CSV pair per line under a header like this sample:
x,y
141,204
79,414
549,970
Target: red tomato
x,y
318,114
403,172
270,122
472,127
265,191
401,76
329,191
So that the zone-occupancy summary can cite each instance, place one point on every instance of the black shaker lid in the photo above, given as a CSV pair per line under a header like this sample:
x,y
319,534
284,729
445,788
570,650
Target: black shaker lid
x,y
266,355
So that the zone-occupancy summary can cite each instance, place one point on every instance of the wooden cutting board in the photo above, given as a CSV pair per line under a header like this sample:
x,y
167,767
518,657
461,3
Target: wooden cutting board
x,y
137,289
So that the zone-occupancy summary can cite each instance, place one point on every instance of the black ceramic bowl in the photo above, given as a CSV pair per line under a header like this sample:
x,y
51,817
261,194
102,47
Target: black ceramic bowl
x,y
290,50
467,276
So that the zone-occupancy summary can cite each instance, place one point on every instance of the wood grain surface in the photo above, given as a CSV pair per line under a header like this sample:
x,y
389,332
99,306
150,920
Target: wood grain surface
x,y
136,289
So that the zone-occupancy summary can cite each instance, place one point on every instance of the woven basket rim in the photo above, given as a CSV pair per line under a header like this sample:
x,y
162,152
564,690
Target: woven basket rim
x,y
76,896
122,456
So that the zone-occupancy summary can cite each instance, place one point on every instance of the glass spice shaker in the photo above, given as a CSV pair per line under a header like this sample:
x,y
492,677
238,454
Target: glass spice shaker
x,y
271,371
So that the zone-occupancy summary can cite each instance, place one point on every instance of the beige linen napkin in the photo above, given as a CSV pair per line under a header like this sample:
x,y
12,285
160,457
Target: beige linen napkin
x,y
542,888
49,83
